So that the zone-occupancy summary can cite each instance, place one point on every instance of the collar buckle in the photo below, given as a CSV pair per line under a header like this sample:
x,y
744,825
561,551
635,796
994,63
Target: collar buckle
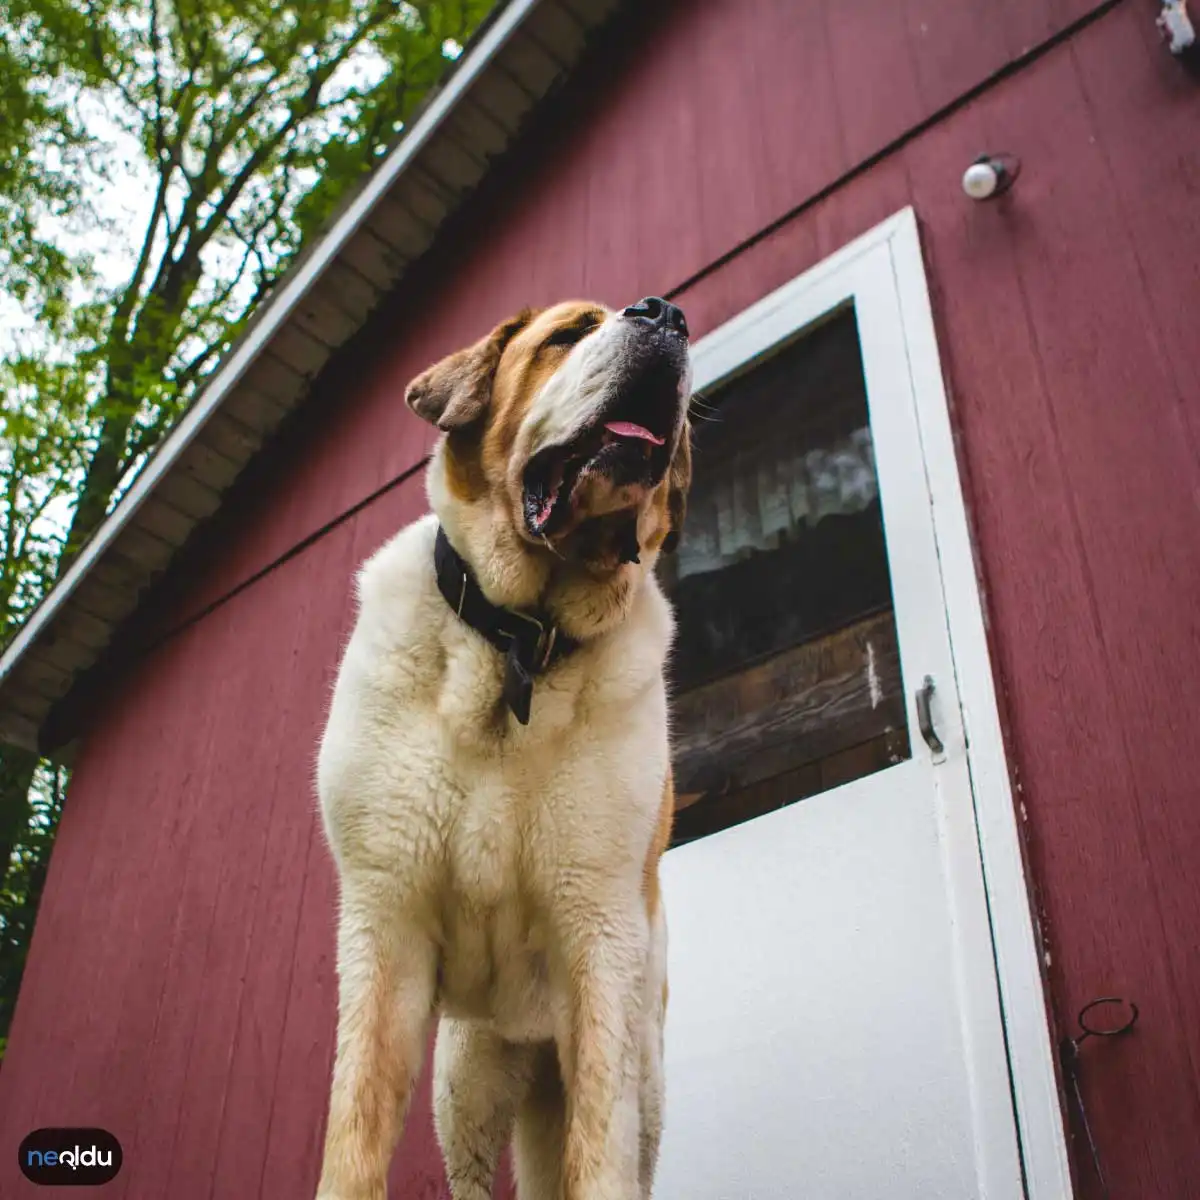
x,y
543,646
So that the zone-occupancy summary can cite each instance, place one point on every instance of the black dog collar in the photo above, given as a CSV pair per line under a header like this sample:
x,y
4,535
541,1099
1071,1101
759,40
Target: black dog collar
x,y
531,644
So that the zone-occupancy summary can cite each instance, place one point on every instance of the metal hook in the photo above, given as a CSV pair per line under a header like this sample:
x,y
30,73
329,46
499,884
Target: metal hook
x,y
1116,1031
1069,1049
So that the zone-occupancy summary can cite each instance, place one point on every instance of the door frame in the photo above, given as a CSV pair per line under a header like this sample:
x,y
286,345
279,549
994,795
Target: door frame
x,y
889,255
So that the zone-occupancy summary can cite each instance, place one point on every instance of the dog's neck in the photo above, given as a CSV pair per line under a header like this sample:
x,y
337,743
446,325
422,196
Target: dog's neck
x,y
583,600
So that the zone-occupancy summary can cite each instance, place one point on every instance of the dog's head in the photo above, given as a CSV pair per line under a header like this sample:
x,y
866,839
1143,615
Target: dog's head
x,y
566,442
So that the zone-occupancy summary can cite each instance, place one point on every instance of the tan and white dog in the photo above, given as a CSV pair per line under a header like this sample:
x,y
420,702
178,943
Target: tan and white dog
x,y
497,818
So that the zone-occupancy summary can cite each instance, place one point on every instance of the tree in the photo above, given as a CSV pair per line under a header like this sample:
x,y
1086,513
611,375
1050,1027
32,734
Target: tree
x,y
24,880
245,126
43,151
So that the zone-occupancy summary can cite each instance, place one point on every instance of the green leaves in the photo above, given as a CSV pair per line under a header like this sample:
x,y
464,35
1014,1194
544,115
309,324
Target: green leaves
x,y
44,446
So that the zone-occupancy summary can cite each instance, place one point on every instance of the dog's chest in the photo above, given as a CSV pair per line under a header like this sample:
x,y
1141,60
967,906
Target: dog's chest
x,y
496,941
528,825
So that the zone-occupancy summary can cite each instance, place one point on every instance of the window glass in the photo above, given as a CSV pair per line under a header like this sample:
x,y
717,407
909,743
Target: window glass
x,y
785,677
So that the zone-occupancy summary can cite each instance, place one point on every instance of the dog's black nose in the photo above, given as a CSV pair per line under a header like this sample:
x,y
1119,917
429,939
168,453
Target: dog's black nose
x,y
656,311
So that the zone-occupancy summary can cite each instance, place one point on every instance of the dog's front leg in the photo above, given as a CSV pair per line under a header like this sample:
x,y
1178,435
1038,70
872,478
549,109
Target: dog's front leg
x,y
385,996
602,1060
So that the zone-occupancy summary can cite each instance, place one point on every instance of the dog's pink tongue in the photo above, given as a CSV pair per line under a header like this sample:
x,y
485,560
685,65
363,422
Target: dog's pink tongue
x,y
630,430
546,509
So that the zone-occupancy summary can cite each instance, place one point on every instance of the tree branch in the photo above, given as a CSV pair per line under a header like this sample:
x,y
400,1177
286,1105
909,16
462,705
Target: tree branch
x,y
188,375
33,517
128,302
303,107
148,437
12,495
200,185
193,55
160,140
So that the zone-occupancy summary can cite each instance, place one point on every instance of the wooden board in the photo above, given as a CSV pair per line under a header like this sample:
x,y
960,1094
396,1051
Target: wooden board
x,y
799,706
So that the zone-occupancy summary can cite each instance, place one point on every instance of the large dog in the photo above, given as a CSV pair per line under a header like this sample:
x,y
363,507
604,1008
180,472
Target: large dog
x,y
494,776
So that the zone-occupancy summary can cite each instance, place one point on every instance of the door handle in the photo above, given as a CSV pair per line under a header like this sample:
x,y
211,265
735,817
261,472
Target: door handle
x,y
925,719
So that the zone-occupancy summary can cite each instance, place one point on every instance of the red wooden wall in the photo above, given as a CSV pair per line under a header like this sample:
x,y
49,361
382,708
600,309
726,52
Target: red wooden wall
x,y
180,987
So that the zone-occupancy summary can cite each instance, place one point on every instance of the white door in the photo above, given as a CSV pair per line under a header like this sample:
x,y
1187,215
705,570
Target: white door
x,y
835,1027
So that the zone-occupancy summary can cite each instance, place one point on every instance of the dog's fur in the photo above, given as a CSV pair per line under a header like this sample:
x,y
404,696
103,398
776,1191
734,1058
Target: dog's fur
x,y
505,877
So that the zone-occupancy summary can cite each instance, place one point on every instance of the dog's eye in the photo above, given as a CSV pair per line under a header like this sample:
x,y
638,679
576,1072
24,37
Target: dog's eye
x,y
570,334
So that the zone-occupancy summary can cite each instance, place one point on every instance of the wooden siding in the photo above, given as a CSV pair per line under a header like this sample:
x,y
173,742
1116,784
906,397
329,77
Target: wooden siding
x,y
180,988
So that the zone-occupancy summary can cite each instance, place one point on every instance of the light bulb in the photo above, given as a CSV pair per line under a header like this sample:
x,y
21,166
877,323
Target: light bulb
x,y
981,179
990,175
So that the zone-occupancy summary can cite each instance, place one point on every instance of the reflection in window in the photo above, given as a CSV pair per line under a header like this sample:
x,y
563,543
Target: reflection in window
x,y
786,677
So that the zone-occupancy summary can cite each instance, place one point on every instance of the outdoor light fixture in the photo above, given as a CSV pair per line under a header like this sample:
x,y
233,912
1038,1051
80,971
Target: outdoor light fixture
x,y
990,175
1176,26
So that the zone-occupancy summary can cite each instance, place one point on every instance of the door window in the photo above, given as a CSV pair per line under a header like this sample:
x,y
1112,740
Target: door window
x,y
785,677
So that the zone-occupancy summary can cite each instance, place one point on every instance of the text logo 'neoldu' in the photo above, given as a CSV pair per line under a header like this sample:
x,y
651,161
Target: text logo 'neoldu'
x,y
70,1157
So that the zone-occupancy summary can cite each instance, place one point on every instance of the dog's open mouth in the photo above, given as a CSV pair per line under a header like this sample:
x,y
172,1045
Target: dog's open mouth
x,y
628,446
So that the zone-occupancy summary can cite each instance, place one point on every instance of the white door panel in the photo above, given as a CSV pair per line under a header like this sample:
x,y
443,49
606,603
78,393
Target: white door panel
x,y
814,1042
835,1026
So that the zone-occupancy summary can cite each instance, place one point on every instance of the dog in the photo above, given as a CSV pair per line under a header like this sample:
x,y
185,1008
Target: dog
x,y
494,776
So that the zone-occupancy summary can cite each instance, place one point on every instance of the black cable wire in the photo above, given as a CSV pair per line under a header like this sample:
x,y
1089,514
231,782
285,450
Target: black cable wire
x,y
292,552
1012,67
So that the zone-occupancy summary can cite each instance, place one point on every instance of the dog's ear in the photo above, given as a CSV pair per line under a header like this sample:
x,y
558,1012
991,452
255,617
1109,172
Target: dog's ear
x,y
679,480
455,392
